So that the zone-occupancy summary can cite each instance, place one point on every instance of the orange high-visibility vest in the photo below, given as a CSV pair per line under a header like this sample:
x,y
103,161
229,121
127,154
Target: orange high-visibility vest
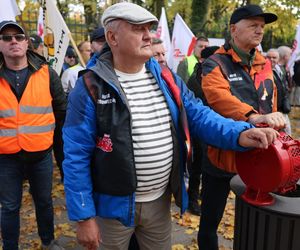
x,y
28,124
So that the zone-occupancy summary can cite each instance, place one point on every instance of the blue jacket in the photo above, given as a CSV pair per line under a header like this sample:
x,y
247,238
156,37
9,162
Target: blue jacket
x,y
80,131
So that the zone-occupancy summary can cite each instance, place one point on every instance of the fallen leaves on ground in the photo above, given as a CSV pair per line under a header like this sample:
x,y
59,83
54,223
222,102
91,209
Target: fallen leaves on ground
x,y
29,239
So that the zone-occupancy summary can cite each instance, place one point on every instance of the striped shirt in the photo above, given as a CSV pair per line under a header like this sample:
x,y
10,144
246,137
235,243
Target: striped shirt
x,y
151,133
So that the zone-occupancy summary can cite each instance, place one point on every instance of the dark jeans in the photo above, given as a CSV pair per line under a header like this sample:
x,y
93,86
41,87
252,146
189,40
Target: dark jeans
x,y
195,172
39,174
215,190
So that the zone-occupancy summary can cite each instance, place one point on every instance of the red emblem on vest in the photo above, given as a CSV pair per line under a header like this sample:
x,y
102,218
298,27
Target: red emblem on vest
x,y
105,143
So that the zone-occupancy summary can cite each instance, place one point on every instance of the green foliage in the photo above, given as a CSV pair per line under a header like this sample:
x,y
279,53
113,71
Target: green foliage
x,y
155,6
279,33
200,12
205,17
182,7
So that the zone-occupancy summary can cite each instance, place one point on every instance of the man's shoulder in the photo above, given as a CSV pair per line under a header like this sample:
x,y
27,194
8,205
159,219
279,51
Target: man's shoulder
x,y
183,61
214,61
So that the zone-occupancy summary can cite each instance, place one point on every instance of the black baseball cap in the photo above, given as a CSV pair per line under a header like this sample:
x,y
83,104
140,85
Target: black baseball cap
x,y
251,10
10,23
97,34
70,51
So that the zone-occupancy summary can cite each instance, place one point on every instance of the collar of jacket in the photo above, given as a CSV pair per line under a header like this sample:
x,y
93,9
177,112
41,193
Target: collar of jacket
x,y
246,58
105,70
228,50
35,61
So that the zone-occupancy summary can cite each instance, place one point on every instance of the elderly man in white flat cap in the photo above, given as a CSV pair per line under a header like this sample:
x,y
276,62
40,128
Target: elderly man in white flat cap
x,y
127,139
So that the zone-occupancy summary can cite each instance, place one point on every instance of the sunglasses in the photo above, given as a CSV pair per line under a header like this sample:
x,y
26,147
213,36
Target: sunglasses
x,y
8,38
71,57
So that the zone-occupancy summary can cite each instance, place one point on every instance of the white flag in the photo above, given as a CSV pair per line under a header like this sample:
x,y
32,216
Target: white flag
x,y
40,24
183,42
56,35
295,51
162,32
9,10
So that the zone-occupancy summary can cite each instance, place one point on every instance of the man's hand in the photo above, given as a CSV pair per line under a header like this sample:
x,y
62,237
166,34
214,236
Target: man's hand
x,y
258,137
274,120
88,234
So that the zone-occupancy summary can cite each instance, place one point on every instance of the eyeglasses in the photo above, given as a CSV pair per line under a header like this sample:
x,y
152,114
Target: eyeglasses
x,y
8,38
71,57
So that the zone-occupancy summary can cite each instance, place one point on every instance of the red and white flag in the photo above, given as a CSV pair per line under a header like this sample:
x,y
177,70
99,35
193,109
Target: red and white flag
x,y
40,24
162,32
295,51
9,10
183,42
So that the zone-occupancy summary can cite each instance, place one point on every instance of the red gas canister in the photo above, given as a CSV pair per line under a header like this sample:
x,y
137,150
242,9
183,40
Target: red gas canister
x,y
276,169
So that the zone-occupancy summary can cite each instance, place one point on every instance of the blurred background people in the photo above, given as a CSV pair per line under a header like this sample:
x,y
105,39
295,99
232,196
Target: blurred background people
x,y
70,59
194,84
295,94
37,44
97,40
283,101
187,65
85,51
159,51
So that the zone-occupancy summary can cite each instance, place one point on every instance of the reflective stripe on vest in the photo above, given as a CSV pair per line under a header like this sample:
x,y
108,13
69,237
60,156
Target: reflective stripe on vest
x,y
8,132
7,113
191,61
27,124
36,129
36,110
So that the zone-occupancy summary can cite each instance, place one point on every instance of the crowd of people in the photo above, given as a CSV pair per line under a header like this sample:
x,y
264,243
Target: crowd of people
x,y
126,130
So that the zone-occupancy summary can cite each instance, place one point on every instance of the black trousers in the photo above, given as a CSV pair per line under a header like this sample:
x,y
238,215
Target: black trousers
x,y
215,190
195,172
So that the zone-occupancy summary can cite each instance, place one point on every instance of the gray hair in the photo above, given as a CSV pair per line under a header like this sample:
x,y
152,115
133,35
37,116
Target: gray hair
x,y
156,41
284,51
273,50
112,25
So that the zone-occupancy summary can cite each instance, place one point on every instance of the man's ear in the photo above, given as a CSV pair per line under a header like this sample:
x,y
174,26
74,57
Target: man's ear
x,y
232,28
111,38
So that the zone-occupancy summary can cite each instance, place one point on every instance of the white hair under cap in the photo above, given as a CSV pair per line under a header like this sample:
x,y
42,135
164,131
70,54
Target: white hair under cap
x,y
130,12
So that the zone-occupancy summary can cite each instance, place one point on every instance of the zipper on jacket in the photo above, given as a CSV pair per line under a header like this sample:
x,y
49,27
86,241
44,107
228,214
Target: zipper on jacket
x,y
127,105
82,200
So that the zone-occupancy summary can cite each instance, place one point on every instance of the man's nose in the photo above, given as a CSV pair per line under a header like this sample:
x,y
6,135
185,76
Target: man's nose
x,y
147,34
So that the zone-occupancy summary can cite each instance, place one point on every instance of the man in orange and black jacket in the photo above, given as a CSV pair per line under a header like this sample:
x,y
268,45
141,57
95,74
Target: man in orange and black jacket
x,y
237,83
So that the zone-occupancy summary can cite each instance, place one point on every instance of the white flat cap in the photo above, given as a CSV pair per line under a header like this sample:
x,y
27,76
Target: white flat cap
x,y
130,12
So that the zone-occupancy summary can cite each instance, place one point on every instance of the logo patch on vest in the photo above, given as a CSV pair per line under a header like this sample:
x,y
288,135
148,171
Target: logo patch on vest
x,y
104,143
234,78
106,99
